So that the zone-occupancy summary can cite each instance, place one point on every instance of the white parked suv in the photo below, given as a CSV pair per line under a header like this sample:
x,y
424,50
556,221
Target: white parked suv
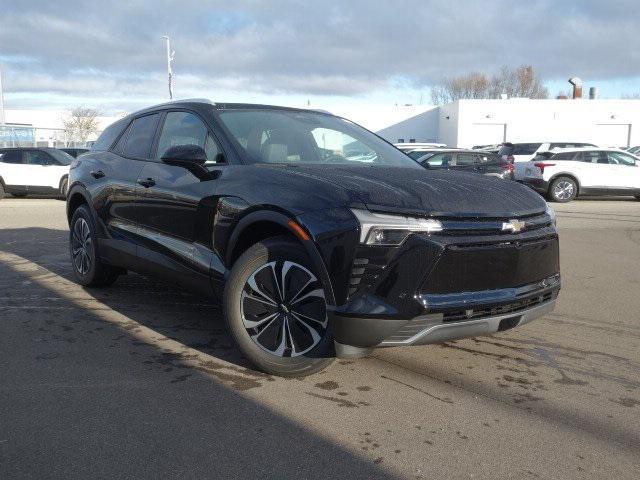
x,y
565,174
523,152
25,171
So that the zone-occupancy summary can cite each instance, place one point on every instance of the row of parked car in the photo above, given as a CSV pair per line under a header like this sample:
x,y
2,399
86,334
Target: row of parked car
x,y
561,171
38,171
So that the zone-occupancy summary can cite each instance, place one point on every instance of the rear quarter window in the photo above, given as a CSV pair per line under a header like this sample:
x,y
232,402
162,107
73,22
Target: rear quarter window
x,y
108,136
140,136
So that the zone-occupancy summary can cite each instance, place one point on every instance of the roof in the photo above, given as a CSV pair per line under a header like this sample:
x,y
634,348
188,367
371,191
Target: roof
x,y
203,102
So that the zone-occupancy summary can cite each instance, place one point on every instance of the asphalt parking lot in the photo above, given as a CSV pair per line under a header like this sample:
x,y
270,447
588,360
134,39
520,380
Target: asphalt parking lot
x,y
140,381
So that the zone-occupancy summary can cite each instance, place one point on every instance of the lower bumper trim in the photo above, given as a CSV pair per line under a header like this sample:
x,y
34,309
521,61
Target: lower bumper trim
x,y
431,329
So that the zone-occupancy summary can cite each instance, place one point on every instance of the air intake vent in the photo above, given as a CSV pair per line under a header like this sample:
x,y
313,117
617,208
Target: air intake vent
x,y
358,269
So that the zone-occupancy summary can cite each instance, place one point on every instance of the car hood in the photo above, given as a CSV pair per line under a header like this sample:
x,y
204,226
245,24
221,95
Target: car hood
x,y
419,191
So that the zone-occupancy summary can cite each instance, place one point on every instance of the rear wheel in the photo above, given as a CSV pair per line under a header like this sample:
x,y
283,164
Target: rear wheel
x,y
88,269
563,189
275,309
638,197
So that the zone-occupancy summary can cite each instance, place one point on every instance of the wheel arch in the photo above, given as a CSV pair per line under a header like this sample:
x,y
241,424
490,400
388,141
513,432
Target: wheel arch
x,y
262,224
62,179
75,197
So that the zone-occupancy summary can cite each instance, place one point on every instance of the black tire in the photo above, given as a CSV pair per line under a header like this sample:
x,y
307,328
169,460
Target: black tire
x,y
64,186
563,190
89,270
18,195
271,344
637,197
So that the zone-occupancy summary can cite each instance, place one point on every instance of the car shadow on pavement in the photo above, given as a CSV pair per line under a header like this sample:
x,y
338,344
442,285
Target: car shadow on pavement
x,y
138,380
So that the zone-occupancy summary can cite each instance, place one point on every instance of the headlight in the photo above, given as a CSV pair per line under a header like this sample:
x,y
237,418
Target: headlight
x,y
552,213
381,229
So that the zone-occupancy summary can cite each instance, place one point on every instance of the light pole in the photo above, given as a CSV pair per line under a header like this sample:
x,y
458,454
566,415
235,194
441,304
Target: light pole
x,y
1,101
170,56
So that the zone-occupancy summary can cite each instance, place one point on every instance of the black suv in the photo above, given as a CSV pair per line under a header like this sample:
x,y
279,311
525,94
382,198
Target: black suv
x,y
319,238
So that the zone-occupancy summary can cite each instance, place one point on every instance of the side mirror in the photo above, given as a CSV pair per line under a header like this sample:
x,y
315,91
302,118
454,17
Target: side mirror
x,y
189,157
184,154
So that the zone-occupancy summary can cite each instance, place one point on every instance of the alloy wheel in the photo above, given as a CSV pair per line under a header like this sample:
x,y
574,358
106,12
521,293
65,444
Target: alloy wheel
x,y
284,309
81,246
563,190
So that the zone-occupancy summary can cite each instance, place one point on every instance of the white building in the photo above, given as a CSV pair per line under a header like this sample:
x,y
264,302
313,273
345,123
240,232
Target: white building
x,y
464,123
606,123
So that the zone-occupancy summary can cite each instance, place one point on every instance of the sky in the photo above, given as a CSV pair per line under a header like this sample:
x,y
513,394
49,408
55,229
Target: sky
x,y
111,55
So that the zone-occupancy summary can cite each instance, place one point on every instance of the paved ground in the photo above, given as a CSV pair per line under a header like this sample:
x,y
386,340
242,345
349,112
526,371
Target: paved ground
x,y
140,381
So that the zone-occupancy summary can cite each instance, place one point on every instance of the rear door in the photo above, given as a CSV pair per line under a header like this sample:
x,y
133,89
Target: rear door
x,y
593,169
172,200
114,187
12,168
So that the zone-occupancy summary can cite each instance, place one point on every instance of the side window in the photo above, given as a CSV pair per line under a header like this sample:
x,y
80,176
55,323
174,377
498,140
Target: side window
x,y
212,149
465,159
617,158
439,160
564,156
140,136
106,138
37,157
182,128
11,156
593,157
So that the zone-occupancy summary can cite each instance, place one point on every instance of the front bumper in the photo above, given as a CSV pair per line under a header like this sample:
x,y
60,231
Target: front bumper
x,y
463,315
439,287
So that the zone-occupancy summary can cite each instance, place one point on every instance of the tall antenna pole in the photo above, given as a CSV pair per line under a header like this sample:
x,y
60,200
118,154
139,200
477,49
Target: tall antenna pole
x,y
170,56
1,101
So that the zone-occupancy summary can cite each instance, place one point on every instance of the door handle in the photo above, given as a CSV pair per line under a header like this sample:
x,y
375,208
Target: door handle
x,y
97,174
147,182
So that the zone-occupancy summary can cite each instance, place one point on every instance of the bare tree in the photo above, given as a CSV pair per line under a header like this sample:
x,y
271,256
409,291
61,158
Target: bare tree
x,y
518,82
80,123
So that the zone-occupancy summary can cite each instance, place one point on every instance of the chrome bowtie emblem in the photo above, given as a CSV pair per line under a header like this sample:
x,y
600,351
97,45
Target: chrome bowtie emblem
x,y
513,226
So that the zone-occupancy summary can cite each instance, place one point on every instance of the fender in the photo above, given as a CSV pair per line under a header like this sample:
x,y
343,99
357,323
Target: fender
x,y
282,220
78,188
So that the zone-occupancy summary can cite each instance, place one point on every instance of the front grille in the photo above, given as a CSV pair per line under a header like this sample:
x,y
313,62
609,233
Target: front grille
x,y
467,227
493,310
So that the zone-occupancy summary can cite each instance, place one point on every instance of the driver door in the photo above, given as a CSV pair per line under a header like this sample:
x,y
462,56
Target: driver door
x,y
170,202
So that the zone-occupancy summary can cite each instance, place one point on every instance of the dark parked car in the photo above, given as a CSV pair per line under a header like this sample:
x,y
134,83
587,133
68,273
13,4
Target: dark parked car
x,y
74,152
314,251
469,161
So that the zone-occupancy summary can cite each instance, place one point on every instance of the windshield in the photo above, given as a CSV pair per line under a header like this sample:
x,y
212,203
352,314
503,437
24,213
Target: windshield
x,y
60,156
292,137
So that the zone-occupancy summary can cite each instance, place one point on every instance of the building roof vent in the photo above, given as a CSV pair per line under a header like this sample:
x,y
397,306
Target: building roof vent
x,y
577,87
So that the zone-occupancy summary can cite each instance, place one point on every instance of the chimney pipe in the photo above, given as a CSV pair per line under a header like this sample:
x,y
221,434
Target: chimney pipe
x,y
593,93
577,87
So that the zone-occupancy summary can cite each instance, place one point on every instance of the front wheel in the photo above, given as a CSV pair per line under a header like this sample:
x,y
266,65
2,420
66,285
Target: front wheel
x,y
563,190
275,309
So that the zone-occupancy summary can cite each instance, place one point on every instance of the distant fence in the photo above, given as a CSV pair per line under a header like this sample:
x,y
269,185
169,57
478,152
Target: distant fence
x,y
30,136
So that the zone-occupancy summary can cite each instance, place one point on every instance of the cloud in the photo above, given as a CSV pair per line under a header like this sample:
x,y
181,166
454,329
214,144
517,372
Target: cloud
x,y
309,48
